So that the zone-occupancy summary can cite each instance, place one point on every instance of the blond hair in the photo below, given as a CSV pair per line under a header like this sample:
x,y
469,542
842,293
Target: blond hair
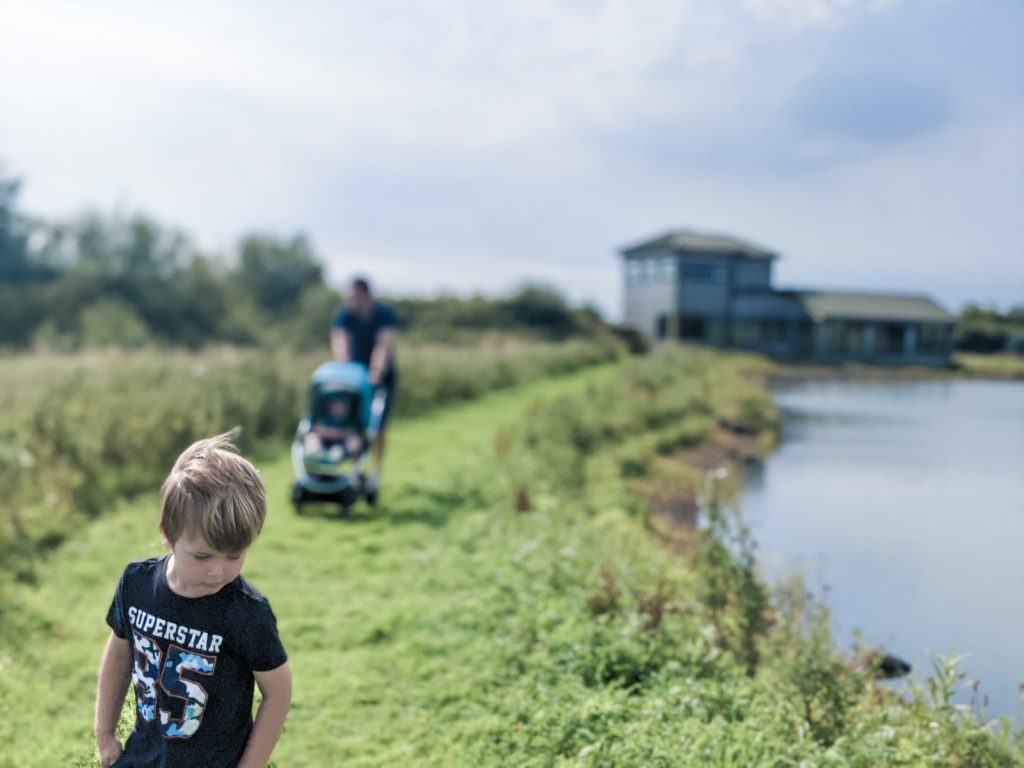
x,y
216,493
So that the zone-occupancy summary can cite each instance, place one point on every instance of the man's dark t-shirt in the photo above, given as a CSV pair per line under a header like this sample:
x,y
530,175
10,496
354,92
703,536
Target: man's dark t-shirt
x,y
192,668
363,331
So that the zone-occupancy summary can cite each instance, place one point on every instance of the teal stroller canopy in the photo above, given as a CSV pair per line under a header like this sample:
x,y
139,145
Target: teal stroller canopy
x,y
333,379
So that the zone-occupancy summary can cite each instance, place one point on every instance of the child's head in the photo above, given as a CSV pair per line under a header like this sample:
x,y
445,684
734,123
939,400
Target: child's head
x,y
337,406
215,493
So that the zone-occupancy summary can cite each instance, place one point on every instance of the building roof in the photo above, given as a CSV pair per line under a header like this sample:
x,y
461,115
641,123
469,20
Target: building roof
x,y
698,242
827,305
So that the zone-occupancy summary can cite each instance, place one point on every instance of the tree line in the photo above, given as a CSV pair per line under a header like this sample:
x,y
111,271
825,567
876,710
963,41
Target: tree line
x,y
101,280
987,330
128,281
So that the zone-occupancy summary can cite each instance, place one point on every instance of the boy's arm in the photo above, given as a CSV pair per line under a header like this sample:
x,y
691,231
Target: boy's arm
x,y
276,687
114,678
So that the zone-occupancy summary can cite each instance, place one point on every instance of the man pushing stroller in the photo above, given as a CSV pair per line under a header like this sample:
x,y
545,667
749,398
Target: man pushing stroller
x,y
363,331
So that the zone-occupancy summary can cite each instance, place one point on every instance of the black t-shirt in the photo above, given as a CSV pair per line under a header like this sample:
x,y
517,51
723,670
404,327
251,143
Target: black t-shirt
x,y
192,670
362,333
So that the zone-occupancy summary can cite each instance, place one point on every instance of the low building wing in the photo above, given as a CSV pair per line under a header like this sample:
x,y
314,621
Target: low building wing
x,y
840,305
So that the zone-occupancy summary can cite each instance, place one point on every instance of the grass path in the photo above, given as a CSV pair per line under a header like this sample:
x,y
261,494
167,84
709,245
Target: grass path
x,y
365,604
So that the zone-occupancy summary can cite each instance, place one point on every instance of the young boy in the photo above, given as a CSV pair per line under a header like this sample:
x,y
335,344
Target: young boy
x,y
191,634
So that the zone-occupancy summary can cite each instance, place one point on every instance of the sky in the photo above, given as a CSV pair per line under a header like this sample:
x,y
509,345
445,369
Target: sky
x,y
462,147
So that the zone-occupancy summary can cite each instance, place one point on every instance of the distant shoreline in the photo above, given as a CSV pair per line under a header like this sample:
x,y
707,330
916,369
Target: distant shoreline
x,y
965,367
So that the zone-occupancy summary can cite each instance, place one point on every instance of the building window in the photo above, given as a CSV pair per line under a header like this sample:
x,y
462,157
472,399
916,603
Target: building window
x,y
745,333
889,338
634,272
691,327
754,333
933,339
772,331
846,337
805,336
714,274
654,269
651,270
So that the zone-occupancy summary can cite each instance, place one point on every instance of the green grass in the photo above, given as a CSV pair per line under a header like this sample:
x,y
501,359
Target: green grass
x,y
448,629
1005,365
339,587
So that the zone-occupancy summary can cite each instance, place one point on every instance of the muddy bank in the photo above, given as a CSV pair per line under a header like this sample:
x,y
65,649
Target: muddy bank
x,y
962,368
717,459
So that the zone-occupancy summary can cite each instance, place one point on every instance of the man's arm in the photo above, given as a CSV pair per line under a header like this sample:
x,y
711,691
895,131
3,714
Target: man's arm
x,y
382,348
276,687
341,347
114,677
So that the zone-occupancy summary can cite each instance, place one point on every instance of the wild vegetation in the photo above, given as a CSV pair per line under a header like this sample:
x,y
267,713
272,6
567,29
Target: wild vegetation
x,y
1001,365
512,604
78,432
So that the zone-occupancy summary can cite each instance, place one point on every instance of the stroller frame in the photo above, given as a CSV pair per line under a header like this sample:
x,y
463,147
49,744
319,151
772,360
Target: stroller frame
x,y
344,488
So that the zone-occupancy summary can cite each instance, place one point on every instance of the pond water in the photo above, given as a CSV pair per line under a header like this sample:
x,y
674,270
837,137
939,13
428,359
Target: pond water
x,y
905,503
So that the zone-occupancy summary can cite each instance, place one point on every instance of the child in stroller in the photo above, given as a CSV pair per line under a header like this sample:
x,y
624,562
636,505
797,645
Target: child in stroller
x,y
332,443
337,428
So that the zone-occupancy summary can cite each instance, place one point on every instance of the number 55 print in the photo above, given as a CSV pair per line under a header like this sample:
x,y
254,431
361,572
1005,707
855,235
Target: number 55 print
x,y
172,673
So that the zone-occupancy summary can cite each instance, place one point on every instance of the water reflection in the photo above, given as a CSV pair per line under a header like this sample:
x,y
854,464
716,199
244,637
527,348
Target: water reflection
x,y
907,501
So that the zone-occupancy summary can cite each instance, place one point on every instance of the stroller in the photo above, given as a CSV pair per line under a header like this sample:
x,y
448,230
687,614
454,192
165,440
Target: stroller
x,y
333,441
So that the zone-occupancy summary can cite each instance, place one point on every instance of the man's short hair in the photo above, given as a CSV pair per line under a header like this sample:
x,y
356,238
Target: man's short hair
x,y
216,493
362,285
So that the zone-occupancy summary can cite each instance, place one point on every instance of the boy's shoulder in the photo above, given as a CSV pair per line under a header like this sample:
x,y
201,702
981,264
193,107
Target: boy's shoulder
x,y
246,590
149,566
246,597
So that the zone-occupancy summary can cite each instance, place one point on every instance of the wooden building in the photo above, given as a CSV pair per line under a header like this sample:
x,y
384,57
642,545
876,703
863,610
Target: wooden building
x,y
717,290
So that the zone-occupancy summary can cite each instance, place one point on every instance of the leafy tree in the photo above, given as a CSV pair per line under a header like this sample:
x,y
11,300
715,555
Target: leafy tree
x,y
276,273
309,326
18,264
13,249
136,248
126,280
987,330
112,322
540,308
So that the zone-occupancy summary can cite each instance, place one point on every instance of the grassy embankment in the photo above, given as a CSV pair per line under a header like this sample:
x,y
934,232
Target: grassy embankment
x,y
993,365
513,603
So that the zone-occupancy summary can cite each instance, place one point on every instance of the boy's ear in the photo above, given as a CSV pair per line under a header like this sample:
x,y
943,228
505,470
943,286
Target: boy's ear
x,y
165,540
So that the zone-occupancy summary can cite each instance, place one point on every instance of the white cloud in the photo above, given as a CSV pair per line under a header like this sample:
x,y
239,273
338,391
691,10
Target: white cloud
x,y
460,145
801,14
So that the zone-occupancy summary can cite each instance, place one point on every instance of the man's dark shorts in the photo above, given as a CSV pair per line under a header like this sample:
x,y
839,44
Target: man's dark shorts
x,y
390,388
